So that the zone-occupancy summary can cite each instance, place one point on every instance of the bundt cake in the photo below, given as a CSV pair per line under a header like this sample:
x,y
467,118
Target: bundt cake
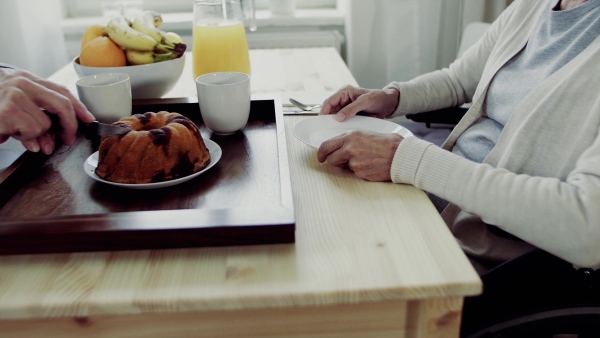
x,y
160,147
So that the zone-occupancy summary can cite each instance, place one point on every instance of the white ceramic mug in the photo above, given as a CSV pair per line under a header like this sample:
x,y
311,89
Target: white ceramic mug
x,y
224,100
107,95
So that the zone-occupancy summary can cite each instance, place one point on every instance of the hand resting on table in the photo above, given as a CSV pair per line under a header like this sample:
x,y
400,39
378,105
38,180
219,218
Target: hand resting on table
x,y
368,155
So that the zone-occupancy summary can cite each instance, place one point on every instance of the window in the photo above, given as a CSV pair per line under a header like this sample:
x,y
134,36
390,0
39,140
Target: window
x,y
83,8
318,23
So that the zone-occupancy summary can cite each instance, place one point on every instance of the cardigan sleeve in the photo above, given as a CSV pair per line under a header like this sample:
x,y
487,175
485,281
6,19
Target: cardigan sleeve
x,y
569,229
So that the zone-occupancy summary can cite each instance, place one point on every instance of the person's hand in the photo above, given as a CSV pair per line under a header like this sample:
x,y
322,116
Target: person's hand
x,y
368,155
350,100
22,98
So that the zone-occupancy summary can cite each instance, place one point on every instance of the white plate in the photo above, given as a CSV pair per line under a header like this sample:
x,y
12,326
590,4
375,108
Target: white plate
x,y
90,164
314,130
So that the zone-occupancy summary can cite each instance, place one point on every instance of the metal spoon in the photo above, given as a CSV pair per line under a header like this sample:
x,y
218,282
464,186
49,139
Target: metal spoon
x,y
304,106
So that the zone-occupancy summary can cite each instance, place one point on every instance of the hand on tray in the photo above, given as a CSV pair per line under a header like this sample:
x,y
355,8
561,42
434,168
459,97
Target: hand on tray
x,y
23,95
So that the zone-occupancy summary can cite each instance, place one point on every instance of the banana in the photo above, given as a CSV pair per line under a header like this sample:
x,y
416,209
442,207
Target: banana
x,y
136,57
146,22
173,37
126,37
158,57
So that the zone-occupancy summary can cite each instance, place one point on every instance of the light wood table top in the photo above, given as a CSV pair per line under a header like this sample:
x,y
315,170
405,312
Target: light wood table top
x,y
370,259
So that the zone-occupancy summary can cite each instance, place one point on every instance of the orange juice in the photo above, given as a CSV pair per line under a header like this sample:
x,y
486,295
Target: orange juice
x,y
220,47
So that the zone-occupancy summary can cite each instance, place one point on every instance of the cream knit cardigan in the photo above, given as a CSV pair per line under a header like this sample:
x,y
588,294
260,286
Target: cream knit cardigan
x,y
541,182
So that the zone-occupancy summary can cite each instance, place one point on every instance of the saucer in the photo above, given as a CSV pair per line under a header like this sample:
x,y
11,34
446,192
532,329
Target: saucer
x,y
90,164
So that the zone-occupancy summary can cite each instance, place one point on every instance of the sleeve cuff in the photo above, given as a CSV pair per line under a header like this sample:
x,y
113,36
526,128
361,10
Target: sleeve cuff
x,y
402,107
423,165
407,159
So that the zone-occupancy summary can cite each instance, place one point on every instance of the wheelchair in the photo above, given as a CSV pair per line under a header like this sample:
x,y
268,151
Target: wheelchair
x,y
533,296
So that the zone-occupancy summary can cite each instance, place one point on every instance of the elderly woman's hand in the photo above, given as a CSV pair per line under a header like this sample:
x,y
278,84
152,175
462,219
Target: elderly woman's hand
x,y
350,100
22,97
368,155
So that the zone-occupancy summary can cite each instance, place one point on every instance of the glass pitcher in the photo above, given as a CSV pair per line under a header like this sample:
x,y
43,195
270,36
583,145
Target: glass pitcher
x,y
219,37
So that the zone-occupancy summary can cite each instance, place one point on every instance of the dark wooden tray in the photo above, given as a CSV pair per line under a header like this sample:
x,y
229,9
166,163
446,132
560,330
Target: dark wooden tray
x,y
48,204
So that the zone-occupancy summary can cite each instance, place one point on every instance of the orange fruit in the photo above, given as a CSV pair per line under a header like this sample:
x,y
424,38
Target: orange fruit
x,y
93,32
102,52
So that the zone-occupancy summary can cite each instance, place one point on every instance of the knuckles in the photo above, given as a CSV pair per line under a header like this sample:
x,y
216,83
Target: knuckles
x,y
12,95
63,90
354,134
17,81
348,88
14,116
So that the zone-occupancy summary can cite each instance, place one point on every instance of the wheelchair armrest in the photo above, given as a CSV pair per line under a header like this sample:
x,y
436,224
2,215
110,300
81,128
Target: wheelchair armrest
x,y
443,116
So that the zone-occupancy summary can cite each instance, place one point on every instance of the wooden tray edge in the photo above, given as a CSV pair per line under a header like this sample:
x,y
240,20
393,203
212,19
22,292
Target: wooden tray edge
x,y
17,234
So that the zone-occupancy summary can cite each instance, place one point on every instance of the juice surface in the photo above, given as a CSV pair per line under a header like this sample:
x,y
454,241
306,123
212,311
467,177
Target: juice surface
x,y
220,47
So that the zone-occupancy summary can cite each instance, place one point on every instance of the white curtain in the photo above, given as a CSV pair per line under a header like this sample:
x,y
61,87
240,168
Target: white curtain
x,y
32,36
396,40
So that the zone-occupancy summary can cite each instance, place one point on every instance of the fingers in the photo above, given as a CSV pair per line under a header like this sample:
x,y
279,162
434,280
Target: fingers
x,y
341,99
81,111
47,142
32,145
55,103
374,103
368,155
338,151
20,117
361,104
328,147
330,104
52,97
350,101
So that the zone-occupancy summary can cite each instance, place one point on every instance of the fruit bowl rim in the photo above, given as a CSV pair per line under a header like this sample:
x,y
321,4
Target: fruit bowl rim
x,y
76,61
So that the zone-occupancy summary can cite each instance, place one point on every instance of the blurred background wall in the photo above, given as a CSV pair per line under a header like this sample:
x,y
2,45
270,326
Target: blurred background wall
x,y
383,40
396,40
31,35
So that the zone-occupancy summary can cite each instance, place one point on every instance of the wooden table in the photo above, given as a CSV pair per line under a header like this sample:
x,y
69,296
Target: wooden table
x,y
370,259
